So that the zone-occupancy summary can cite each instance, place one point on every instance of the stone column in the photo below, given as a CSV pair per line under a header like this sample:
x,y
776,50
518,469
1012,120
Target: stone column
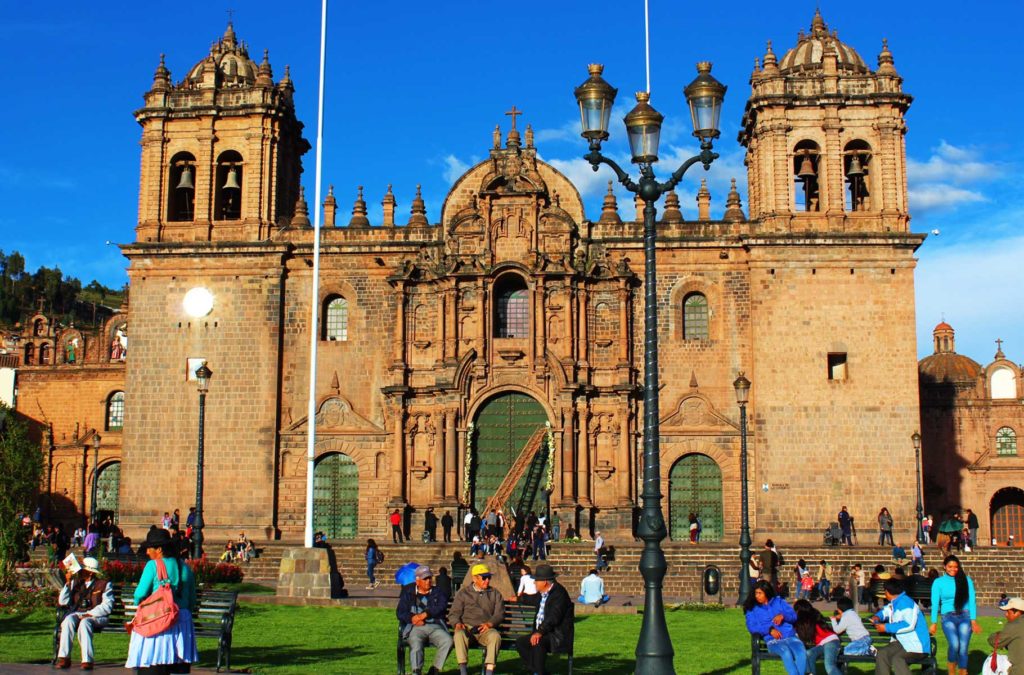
x,y
581,315
568,452
399,344
438,469
583,453
451,459
397,478
624,323
542,323
441,314
622,463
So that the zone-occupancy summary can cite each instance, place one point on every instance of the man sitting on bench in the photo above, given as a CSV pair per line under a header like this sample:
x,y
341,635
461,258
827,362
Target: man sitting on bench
x,y
476,613
89,601
421,610
553,627
904,620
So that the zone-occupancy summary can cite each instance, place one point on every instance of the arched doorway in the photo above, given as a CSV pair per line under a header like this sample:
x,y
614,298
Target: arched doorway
x,y
695,485
1007,516
108,490
336,496
503,426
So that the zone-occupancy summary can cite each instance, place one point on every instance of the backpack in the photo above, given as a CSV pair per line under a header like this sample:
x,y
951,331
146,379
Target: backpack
x,y
378,556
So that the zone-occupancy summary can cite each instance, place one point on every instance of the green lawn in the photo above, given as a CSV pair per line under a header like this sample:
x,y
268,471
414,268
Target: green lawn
x,y
273,639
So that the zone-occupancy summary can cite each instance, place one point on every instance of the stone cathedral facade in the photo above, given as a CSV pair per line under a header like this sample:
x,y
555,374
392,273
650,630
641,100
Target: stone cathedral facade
x,y
445,345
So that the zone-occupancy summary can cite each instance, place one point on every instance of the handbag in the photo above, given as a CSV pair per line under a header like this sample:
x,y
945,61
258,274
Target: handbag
x,y
158,612
997,664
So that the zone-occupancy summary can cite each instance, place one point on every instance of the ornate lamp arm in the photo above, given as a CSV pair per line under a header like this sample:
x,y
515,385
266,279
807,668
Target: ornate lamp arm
x,y
705,157
596,159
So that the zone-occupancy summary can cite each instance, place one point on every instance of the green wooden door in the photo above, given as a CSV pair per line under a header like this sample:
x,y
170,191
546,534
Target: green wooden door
x,y
695,484
503,426
336,496
108,486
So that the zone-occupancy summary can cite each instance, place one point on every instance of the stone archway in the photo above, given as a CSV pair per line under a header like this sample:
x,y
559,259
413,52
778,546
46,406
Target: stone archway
x,y
108,490
1006,511
695,485
503,424
336,496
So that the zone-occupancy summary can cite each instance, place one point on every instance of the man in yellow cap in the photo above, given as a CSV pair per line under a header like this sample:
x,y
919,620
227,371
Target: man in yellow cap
x,y
476,613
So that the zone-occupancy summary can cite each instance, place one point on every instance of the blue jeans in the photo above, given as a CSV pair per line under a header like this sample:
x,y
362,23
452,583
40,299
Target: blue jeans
x,y
830,650
369,572
792,653
957,628
824,588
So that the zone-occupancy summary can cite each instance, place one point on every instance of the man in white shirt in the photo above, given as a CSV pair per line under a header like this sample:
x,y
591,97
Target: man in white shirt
x,y
89,601
592,590
598,550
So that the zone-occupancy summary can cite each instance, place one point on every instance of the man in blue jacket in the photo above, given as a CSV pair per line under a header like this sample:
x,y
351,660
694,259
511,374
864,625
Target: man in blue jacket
x,y
903,619
421,618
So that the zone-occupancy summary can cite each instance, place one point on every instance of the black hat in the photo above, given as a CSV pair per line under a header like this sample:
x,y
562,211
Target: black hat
x,y
157,537
544,573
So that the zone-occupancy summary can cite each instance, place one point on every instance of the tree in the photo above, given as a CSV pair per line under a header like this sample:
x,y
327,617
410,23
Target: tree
x,y
22,464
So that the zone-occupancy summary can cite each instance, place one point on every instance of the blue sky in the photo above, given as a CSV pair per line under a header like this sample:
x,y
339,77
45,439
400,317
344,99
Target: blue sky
x,y
415,89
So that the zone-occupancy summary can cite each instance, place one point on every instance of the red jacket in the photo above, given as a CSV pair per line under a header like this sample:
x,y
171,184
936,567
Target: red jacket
x,y
396,519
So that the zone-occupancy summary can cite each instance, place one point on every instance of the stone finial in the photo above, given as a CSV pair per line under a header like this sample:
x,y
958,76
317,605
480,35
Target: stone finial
x,y
359,218
757,65
999,350
389,204
771,63
229,40
529,135
638,204
513,140
335,384
301,217
208,73
610,209
733,205
885,60
330,208
497,136
818,25
693,379
265,76
162,77
703,201
418,216
672,215
286,82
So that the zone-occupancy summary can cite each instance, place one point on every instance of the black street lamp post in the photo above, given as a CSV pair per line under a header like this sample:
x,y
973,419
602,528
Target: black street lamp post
x,y
643,125
916,439
742,386
95,475
203,375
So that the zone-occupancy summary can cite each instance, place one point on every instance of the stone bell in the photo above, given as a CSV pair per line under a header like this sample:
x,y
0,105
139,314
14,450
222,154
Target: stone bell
x,y
232,180
806,171
185,182
855,168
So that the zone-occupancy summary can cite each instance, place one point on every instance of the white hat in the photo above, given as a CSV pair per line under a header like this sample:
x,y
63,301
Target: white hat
x,y
91,565
1015,603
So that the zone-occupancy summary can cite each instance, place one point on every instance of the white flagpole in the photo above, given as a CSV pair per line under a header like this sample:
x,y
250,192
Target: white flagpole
x,y
647,43
314,297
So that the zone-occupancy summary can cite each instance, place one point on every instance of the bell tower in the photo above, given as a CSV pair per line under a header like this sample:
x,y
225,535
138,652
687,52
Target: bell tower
x,y
825,139
221,150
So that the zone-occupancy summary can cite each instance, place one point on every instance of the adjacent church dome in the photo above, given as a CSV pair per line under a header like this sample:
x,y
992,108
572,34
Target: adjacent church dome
x,y
228,61
810,48
945,366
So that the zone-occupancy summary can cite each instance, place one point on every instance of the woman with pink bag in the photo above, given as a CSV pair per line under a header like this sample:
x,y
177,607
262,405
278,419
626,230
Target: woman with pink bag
x,y
172,650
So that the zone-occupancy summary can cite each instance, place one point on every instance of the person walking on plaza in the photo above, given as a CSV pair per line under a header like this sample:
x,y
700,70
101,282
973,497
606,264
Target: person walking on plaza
x,y
824,582
884,527
1011,637
903,619
972,528
553,625
476,613
467,526
374,557
88,600
771,618
599,550
430,524
953,599
421,611
845,526
447,523
396,526
926,527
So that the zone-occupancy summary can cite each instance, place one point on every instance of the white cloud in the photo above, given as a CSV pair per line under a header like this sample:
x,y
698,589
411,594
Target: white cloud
x,y
579,172
937,196
570,131
454,168
951,164
973,285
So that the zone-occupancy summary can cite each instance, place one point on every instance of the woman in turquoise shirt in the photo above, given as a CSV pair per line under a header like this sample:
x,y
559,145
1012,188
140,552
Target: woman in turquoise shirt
x,y
953,599
174,650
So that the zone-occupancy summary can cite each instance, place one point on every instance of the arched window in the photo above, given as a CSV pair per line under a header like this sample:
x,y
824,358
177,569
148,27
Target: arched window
x,y
228,198
44,354
115,411
1003,383
695,317
511,308
30,353
181,187
335,319
1006,441
39,328
806,164
857,169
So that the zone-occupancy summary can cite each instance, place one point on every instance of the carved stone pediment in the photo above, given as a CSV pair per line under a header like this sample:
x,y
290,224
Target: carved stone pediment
x,y
695,412
336,416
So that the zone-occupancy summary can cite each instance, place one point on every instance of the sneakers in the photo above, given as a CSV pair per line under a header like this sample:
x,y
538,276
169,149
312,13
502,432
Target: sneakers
x,y
375,584
371,587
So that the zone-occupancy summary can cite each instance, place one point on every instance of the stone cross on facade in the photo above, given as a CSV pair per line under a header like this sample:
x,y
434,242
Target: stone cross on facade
x,y
513,114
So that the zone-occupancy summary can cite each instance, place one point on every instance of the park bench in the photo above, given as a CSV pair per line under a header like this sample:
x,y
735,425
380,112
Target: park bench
x,y
519,620
759,652
214,618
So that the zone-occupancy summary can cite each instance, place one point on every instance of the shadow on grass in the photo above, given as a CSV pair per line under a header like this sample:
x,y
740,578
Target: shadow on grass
x,y
738,667
599,665
244,657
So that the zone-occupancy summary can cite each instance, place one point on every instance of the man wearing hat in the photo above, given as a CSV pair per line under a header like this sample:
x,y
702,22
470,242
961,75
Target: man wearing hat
x,y
88,600
1011,637
553,627
421,610
476,612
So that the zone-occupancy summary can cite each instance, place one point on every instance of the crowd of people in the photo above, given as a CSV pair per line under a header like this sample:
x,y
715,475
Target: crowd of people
x,y
957,531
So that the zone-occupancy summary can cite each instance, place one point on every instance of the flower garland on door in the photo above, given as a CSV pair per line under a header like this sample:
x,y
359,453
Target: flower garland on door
x,y
466,465
549,481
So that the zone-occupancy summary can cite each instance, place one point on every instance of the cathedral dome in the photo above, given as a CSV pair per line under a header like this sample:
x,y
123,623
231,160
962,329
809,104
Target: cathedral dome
x,y
230,60
810,49
948,368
